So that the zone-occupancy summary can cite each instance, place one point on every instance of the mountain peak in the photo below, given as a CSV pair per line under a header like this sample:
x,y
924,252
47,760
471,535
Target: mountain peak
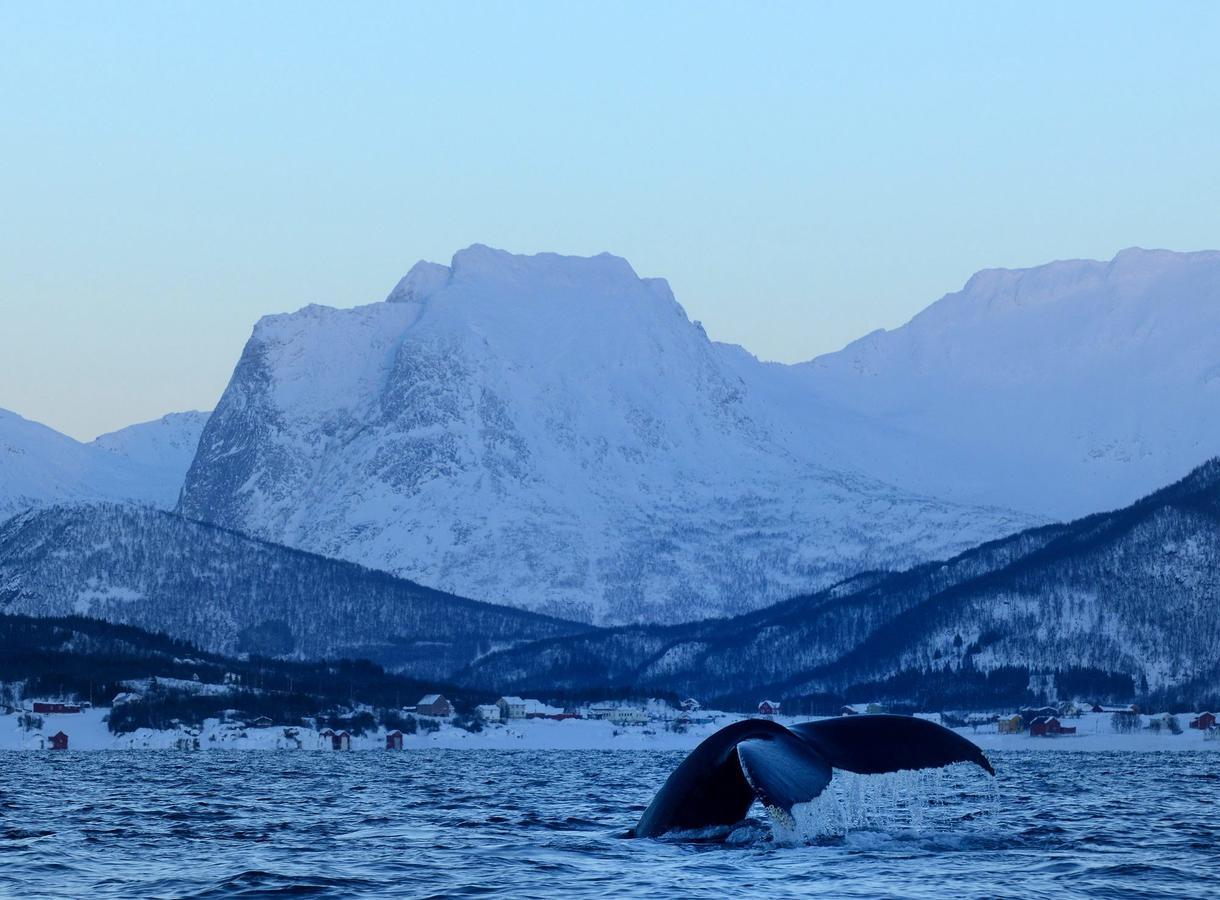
x,y
424,280
480,264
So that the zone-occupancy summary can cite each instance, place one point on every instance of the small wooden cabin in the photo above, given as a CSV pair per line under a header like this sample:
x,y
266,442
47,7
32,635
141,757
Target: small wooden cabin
x,y
59,741
393,740
768,708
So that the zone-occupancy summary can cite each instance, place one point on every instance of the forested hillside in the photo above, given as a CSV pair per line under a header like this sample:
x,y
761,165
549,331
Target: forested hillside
x,y
233,594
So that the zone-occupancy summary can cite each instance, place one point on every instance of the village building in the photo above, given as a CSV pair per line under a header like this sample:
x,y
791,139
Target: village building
x,y
488,712
336,740
690,704
627,715
59,741
1029,714
1203,721
55,708
434,705
260,722
393,740
1010,725
768,708
1049,726
511,707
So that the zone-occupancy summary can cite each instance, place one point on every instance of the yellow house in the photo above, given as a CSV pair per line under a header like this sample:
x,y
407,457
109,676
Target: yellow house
x,y
1010,725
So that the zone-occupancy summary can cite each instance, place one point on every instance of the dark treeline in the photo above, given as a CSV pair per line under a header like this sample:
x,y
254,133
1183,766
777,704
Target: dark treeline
x,y
91,660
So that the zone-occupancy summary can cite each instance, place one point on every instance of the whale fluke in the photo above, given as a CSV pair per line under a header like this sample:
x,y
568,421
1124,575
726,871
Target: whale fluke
x,y
761,759
871,745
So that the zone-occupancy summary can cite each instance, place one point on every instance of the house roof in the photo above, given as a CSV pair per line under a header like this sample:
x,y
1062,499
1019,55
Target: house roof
x,y
512,701
429,699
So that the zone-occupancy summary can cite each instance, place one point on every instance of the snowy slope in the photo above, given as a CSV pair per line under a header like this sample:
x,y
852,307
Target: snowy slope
x,y
552,432
163,448
38,465
1061,390
144,463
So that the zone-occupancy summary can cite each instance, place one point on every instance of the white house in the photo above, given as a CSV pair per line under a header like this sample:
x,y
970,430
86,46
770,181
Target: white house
x,y
489,712
511,707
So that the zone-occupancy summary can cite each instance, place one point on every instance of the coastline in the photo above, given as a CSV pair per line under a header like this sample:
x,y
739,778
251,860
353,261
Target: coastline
x,y
87,731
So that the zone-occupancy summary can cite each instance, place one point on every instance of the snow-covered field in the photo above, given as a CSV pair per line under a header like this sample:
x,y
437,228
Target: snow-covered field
x,y
88,731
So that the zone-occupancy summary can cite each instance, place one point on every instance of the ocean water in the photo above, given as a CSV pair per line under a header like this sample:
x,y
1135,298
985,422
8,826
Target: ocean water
x,y
552,824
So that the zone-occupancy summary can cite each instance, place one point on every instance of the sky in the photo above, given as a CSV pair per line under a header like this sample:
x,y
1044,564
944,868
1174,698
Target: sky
x,y
802,173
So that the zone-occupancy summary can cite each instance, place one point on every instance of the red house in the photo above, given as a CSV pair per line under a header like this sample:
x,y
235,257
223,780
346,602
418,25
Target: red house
x,y
1204,721
768,708
393,740
52,708
59,741
1048,726
434,705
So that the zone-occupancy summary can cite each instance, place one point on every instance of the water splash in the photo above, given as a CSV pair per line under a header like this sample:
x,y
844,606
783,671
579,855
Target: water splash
x,y
929,800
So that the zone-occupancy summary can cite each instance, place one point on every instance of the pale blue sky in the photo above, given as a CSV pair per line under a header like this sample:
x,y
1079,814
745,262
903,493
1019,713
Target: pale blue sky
x,y
802,173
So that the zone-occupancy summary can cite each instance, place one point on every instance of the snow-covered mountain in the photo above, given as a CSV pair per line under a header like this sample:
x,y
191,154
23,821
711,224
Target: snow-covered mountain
x,y
232,594
145,463
553,432
1059,390
164,448
1118,604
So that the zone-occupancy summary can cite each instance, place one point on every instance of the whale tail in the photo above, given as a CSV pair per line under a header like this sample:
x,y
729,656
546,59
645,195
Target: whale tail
x,y
871,745
760,759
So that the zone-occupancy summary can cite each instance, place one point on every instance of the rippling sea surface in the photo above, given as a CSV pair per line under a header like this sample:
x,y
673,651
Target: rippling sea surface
x,y
551,824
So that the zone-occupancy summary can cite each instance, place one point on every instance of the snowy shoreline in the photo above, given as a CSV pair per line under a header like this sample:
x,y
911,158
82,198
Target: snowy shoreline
x,y
87,730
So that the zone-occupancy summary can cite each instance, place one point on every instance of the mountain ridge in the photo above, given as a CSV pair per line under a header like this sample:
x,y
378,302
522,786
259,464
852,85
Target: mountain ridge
x,y
1065,601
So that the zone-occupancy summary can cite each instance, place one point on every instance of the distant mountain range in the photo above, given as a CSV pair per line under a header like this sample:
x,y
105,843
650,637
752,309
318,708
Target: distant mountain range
x,y
232,594
553,433
143,463
1061,390
1116,604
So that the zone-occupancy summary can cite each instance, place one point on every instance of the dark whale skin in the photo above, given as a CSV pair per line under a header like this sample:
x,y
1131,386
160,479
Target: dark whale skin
x,y
761,759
